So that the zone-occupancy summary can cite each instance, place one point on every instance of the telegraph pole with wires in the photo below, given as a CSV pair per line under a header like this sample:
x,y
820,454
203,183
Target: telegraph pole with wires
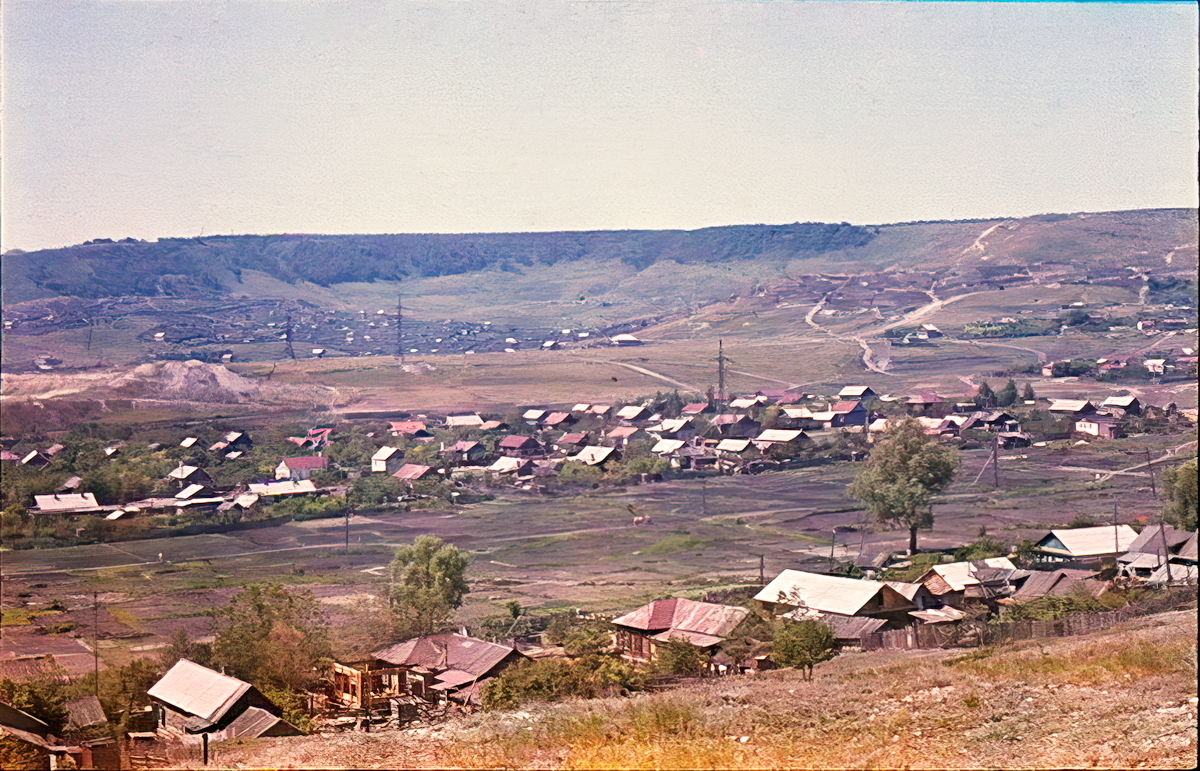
x,y
400,327
721,396
287,336
996,461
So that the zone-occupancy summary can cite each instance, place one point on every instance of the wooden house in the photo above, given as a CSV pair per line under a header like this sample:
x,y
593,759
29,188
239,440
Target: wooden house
x,y
800,594
450,665
298,469
1085,545
1122,405
189,475
734,426
386,460
465,452
974,583
856,393
413,429
191,700
1100,426
704,625
621,436
518,446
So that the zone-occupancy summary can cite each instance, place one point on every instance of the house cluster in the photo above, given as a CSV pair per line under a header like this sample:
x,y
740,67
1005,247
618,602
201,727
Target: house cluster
x,y
1107,420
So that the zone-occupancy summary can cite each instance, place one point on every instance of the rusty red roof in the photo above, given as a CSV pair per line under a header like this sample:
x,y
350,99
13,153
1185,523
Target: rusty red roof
x,y
841,408
307,461
406,426
517,442
678,614
412,471
441,652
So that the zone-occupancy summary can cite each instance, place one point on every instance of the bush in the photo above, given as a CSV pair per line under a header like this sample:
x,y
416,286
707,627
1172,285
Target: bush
x,y
803,644
677,657
555,679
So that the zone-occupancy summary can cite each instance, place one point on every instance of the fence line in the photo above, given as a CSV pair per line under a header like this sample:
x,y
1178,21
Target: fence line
x,y
972,634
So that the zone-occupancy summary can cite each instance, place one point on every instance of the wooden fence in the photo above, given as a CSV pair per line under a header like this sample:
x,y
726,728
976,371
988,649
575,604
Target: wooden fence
x,y
971,634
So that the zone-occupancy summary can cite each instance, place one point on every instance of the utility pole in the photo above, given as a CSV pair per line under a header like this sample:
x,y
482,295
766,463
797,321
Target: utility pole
x,y
287,337
349,512
762,570
1116,535
400,327
89,337
703,497
721,370
1166,554
832,544
96,643
1150,471
996,461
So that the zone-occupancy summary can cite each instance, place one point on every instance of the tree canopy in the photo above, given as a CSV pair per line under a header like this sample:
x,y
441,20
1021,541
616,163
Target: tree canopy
x,y
1179,485
903,473
272,636
428,581
803,644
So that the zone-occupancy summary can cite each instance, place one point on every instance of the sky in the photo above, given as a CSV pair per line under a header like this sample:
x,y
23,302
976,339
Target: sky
x,y
166,118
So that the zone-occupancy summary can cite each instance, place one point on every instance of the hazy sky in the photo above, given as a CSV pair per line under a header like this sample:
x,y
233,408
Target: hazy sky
x,y
172,118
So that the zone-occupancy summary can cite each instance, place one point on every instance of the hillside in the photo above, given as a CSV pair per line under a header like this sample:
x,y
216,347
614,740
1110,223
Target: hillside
x,y
1125,698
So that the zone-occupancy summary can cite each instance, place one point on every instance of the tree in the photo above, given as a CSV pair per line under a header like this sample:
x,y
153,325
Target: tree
x,y
1179,485
428,581
904,471
803,644
985,396
1007,395
270,635
181,646
1027,393
679,657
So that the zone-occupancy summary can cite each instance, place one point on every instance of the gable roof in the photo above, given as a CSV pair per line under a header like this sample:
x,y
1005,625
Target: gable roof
x,y
60,502
1070,405
622,432
846,407
182,472
457,421
507,465
664,446
1090,541
447,651
959,575
383,453
412,471
733,445
1119,401
254,722
854,390
575,437
463,445
1149,541
731,418
680,615
779,435
85,712
517,442
592,456
829,594
1188,550
307,462
195,690
283,487
406,426
631,412
694,409
555,418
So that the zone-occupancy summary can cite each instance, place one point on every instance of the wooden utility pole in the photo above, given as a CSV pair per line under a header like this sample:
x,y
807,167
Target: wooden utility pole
x,y
832,544
287,337
1166,554
96,643
400,327
1150,471
762,570
996,461
349,511
1116,535
721,371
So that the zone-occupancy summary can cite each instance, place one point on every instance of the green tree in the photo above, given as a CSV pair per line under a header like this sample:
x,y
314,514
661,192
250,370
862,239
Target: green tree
x,y
181,646
1027,393
1179,485
43,698
985,397
904,471
428,581
1007,396
679,657
803,644
270,635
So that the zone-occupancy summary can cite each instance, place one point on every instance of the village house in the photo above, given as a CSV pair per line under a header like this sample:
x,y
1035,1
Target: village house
x,y
840,415
534,417
696,408
189,475
571,442
1101,426
386,460
233,441
413,429
1072,407
923,403
747,402
621,436
856,393
852,607
734,426
413,472
36,459
625,340
993,421
632,413
282,488
782,440
519,467
471,420
1122,405
1085,545
977,583
594,456
465,452
673,428
558,420
451,665
1153,547
191,700
32,735
519,446
1053,583
297,469
704,625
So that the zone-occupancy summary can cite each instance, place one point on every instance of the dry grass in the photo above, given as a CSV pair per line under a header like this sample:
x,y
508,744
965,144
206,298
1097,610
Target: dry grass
x,y
1117,699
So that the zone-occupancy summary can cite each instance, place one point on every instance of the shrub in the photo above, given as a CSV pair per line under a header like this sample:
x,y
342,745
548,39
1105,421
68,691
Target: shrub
x,y
555,679
803,644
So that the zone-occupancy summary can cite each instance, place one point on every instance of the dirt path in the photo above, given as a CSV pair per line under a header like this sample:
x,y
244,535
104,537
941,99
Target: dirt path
x,y
1103,475
653,374
1041,357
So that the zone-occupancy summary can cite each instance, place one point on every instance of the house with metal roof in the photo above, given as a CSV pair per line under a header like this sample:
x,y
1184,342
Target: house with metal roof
x,y
516,445
386,460
1122,405
972,583
192,700
66,503
283,487
1085,545
704,625
412,472
297,469
449,664
798,590
593,456
859,393
1071,406
734,426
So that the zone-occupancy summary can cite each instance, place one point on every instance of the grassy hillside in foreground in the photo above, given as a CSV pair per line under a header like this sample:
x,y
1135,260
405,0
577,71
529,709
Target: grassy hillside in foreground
x,y
1125,698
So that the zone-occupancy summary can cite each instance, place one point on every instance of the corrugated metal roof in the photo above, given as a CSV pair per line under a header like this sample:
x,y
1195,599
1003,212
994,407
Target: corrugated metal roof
x,y
383,453
665,446
961,574
854,390
592,456
65,502
1069,405
575,437
1095,541
516,442
195,690
831,594
255,722
1188,550
412,471
286,487
848,628
733,445
844,408
631,412
623,432
307,462
1151,542
554,418
778,435
678,614
507,465
441,652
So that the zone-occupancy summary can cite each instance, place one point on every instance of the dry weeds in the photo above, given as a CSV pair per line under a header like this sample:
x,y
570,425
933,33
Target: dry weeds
x,y
1125,698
